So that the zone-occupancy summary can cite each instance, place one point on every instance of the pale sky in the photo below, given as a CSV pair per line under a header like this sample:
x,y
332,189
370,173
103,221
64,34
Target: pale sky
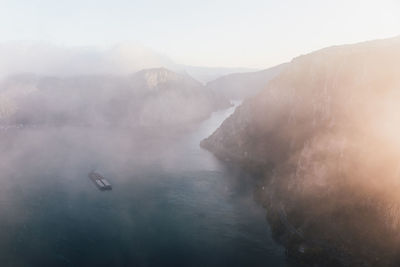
x,y
252,33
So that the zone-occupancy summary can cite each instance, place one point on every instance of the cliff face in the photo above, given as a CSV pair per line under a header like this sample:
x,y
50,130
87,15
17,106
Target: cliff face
x,y
325,134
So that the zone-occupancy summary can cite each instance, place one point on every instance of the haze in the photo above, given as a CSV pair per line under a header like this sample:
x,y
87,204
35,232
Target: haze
x,y
207,133
203,33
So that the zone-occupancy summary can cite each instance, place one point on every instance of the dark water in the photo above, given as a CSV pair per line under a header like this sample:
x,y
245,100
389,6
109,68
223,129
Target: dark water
x,y
172,203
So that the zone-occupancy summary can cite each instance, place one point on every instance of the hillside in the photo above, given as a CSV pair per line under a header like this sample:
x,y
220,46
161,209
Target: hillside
x,y
324,134
149,97
239,86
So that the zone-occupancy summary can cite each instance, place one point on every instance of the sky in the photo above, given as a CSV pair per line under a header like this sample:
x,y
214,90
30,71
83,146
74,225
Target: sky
x,y
251,33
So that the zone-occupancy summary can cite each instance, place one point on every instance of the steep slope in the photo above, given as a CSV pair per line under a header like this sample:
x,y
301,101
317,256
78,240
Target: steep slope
x,y
239,86
325,135
147,98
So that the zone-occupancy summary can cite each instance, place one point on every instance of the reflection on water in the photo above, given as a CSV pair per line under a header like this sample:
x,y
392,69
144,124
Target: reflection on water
x,y
172,203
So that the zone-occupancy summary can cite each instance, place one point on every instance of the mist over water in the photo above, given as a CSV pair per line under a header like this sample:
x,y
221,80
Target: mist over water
x,y
172,203
267,138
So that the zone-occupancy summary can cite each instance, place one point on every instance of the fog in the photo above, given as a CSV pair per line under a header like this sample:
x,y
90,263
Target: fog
x,y
153,97
317,139
65,112
123,58
176,150
171,202
49,59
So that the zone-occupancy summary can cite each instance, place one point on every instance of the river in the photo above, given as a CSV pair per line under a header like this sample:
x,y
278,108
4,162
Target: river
x,y
172,203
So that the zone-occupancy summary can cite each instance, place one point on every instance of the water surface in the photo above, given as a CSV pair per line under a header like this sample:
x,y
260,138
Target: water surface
x,y
172,203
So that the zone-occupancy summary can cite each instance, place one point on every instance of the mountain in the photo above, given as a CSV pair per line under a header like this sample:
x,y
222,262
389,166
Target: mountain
x,y
324,137
239,86
151,97
176,98
207,74
47,59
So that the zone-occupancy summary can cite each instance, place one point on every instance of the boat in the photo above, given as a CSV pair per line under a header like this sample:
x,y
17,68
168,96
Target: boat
x,y
100,181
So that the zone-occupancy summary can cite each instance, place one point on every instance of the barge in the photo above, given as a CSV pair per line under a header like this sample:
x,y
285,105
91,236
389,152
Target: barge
x,y
99,181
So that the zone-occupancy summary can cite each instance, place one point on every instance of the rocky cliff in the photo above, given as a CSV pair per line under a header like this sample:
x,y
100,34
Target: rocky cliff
x,y
325,136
